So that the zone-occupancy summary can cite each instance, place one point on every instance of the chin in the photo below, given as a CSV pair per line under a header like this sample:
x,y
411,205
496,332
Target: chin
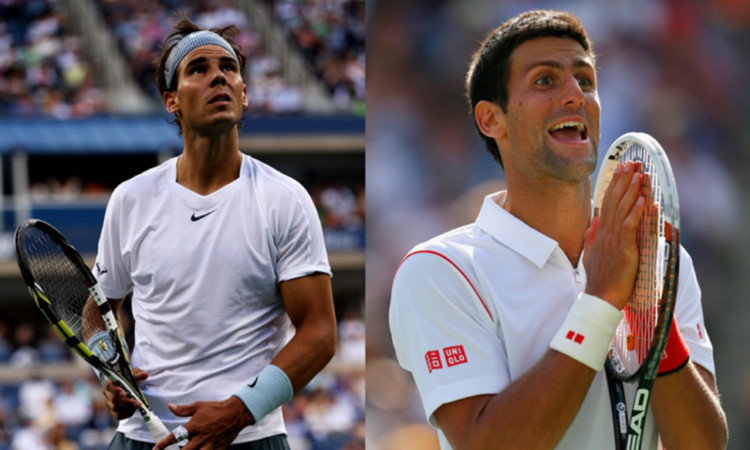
x,y
572,169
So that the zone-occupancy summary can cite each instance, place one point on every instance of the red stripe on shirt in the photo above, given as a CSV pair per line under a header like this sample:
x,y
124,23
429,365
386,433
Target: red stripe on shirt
x,y
459,271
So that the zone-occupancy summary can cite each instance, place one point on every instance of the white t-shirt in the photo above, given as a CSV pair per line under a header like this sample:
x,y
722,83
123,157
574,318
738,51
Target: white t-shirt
x,y
474,309
205,274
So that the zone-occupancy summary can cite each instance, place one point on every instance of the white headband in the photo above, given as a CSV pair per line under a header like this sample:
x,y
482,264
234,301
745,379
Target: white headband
x,y
189,43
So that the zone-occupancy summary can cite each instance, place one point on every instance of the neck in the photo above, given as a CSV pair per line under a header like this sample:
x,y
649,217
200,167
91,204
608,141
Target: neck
x,y
559,210
208,163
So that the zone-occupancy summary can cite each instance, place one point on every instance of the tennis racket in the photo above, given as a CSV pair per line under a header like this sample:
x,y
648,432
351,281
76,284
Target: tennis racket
x,y
69,297
637,347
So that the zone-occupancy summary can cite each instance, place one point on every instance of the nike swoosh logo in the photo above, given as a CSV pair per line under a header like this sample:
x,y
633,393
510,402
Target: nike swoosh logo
x,y
195,218
255,381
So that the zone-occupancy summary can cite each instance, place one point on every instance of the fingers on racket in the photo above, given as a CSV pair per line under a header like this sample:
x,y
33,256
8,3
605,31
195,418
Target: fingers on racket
x,y
622,193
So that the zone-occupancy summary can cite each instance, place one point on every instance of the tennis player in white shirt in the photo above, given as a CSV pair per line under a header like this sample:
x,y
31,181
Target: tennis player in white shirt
x,y
474,311
225,259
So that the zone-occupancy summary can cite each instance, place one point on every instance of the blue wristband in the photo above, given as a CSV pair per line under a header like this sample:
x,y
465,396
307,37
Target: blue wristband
x,y
270,389
101,346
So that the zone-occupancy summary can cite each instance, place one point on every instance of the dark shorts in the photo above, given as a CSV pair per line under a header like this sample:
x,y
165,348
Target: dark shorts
x,y
278,442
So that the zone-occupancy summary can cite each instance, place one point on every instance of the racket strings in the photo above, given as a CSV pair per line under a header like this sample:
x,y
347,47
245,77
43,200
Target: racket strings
x,y
63,285
635,334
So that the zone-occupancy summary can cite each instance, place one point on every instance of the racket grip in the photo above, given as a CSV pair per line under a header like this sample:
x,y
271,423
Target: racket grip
x,y
157,428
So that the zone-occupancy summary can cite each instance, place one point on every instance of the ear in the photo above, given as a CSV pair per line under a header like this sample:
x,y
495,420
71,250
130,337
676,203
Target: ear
x,y
490,119
244,96
171,102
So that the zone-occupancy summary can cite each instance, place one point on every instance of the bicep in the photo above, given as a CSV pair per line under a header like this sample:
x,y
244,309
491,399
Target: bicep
x,y
308,298
443,333
708,378
455,419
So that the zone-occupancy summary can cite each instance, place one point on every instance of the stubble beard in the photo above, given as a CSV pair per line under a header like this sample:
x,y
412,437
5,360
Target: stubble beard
x,y
567,169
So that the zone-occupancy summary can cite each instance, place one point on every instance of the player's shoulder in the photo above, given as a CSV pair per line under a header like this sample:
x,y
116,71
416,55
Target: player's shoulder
x,y
143,186
271,181
145,181
453,247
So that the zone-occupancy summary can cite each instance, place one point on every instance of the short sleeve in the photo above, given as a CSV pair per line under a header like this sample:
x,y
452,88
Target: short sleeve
x,y
443,332
299,238
111,269
689,315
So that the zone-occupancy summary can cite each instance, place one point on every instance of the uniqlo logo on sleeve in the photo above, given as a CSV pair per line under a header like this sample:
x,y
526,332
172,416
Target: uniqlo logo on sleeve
x,y
433,360
455,355
575,337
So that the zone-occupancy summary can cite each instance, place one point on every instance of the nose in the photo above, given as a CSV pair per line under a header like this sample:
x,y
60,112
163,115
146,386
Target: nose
x,y
574,95
218,76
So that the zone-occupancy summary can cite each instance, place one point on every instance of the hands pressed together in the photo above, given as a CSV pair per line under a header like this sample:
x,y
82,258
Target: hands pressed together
x,y
611,249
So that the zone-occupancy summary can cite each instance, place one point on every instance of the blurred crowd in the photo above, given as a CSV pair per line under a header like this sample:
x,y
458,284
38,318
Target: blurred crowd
x,y
45,71
331,36
340,205
42,68
67,412
674,69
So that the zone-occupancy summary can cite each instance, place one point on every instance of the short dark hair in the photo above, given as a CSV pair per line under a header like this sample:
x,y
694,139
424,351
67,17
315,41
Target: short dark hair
x,y
184,27
489,72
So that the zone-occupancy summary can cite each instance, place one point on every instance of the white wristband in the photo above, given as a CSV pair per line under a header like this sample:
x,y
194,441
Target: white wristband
x,y
587,331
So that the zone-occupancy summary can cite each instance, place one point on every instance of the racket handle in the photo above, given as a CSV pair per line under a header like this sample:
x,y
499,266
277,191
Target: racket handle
x,y
157,428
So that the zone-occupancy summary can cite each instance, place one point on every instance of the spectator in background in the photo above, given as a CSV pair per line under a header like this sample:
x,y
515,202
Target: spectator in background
x,y
351,338
27,437
73,406
25,353
35,395
340,206
58,439
5,342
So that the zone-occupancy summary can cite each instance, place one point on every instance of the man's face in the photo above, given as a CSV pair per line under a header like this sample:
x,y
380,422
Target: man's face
x,y
210,94
553,110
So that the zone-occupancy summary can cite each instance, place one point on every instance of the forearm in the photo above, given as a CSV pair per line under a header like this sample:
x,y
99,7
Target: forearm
x,y
687,410
309,303
534,411
296,364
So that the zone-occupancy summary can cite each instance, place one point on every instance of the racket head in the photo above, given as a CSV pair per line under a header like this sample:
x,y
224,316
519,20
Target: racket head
x,y
59,282
640,338
68,295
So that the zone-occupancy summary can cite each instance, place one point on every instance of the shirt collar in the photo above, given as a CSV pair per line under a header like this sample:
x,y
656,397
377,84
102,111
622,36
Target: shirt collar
x,y
512,232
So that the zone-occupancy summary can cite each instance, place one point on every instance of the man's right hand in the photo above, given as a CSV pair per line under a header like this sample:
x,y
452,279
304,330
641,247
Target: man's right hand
x,y
611,249
119,405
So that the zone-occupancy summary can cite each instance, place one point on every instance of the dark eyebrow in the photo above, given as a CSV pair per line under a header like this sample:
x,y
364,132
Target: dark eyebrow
x,y
577,64
203,60
226,59
195,62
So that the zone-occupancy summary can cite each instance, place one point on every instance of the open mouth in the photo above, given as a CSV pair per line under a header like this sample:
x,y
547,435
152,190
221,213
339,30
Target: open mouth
x,y
219,98
571,130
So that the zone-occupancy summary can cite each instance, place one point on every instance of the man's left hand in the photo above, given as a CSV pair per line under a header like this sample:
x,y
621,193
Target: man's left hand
x,y
212,425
